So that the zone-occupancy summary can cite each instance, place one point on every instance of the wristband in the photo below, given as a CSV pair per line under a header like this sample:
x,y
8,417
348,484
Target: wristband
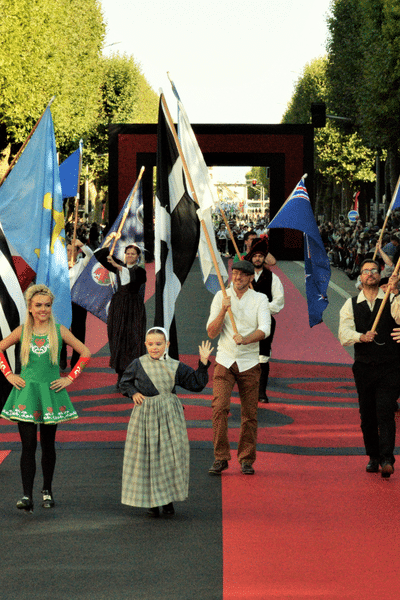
x,y
77,370
4,366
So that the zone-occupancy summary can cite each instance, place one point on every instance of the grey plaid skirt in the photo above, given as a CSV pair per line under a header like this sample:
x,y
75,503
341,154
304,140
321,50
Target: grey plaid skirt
x,y
156,458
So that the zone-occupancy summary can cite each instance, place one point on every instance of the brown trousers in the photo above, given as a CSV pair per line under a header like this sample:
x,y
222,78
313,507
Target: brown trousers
x,y
248,382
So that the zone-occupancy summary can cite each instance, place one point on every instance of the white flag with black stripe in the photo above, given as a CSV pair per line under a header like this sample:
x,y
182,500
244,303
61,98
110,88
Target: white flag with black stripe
x,y
206,197
177,227
12,303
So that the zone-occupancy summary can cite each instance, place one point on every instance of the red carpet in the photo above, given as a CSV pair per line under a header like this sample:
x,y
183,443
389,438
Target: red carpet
x,y
310,528
311,523
294,340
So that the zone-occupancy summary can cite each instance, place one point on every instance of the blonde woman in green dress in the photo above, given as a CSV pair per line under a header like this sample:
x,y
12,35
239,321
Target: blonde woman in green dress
x,y
39,396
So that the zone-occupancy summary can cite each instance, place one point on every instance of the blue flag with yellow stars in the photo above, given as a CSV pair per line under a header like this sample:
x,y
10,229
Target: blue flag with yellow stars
x,y
31,212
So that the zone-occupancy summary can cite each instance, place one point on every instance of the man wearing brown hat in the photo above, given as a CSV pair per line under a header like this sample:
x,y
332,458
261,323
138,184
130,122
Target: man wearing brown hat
x,y
269,284
237,362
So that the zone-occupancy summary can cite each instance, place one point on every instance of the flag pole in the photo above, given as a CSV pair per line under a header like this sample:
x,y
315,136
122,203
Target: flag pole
x,y
387,216
387,294
77,197
230,233
16,157
194,196
126,212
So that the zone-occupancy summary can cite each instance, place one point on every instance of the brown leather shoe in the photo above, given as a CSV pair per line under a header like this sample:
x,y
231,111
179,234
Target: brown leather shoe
x,y
217,467
387,469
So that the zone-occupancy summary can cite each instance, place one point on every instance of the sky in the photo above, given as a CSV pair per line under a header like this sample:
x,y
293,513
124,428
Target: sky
x,y
232,61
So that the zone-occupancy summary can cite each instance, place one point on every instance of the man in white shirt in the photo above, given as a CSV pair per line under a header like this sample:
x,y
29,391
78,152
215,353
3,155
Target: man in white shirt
x,y
376,363
237,362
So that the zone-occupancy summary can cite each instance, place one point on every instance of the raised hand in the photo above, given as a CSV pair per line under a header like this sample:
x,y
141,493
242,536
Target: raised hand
x,y
204,351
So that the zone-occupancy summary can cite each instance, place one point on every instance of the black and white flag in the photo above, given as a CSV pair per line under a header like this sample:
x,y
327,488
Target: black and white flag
x,y
12,303
177,228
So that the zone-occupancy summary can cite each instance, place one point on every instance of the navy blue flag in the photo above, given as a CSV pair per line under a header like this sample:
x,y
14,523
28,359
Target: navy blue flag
x,y
297,213
94,287
69,173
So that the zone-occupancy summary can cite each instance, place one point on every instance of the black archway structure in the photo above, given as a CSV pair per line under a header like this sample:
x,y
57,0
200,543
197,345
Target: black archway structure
x,y
288,150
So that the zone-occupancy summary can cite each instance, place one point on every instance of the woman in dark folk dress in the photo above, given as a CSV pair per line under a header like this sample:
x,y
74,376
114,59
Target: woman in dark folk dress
x,y
126,323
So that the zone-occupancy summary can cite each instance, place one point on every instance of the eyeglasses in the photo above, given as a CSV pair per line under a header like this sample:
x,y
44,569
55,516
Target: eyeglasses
x,y
369,272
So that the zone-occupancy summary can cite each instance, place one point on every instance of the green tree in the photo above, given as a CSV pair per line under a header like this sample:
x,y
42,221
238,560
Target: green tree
x,y
364,72
310,87
342,161
126,97
345,57
260,174
49,49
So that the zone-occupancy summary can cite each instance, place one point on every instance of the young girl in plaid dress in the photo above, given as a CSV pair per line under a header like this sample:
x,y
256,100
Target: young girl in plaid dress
x,y
156,458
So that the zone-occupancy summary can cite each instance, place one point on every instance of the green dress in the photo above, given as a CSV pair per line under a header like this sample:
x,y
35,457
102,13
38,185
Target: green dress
x,y
36,402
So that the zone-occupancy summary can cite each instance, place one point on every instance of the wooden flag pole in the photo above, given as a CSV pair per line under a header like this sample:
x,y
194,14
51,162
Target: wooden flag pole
x,y
387,294
77,197
230,233
16,157
381,234
387,216
240,257
194,195
126,212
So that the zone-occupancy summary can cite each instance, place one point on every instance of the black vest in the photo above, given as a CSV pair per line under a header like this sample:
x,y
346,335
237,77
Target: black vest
x,y
383,349
264,283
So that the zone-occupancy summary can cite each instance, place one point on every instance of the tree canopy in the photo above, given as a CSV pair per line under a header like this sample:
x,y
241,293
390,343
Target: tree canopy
x,y
50,49
55,49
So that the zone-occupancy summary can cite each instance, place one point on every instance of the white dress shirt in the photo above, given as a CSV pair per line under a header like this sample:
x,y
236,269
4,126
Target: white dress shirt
x,y
277,291
80,264
348,336
250,312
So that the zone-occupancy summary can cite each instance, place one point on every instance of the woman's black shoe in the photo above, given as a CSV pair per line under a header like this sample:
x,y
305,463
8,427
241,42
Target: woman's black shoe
x,y
48,500
25,504
153,512
168,510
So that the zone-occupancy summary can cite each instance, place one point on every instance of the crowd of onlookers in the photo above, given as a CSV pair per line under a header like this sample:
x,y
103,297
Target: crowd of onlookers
x,y
347,245
239,226
91,234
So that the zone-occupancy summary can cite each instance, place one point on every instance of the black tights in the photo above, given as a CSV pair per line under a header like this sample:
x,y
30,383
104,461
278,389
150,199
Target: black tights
x,y
28,434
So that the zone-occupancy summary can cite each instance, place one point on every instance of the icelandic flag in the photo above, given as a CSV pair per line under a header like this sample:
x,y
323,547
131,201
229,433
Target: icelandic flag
x,y
31,212
94,287
395,203
297,213
176,226
205,193
69,173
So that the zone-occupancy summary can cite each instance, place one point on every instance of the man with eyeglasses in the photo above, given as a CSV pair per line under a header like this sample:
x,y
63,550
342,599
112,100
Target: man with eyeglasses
x,y
376,367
